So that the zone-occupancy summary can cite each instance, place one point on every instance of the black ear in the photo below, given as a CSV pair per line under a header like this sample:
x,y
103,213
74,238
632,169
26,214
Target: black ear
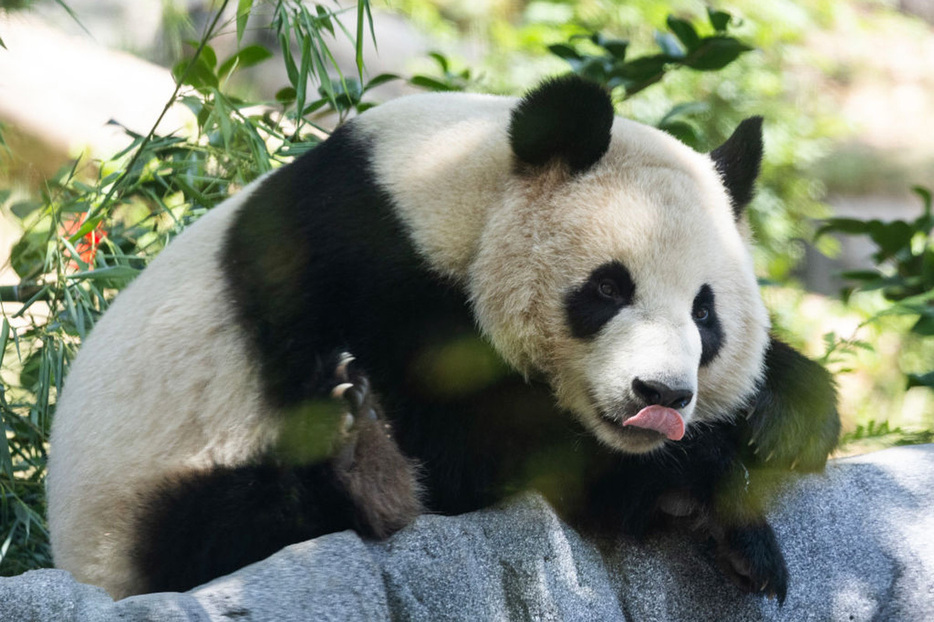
x,y
566,119
794,423
738,159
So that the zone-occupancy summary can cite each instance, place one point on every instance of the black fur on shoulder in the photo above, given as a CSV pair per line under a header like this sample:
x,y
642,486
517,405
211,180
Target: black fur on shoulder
x,y
738,161
565,119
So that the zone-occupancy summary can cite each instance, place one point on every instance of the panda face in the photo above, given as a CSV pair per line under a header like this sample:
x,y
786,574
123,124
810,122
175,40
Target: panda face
x,y
670,316
629,286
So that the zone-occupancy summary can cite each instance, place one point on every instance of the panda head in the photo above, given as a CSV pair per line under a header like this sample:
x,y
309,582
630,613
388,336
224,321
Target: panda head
x,y
618,268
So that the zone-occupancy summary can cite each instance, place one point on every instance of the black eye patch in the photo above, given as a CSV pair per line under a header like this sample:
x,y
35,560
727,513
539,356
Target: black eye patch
x,y
590,306
704,313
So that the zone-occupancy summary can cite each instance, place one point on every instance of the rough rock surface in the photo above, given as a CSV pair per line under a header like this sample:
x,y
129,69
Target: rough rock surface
x,y
859,542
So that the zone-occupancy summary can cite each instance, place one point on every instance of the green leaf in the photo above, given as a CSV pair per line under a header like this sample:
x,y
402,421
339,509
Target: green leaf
x,y
246,57
27,257
441,59
297,149
243,15
924,326
718,19
314,106
565,51
715,53
209,56
892,236
431,83
685,131
285,96
616,47
324,20
685,109
6,462
22,209
195,73
921,380
643,68
382,78
862,275
290,68
108,273
684,31
358,40
851,226
4,337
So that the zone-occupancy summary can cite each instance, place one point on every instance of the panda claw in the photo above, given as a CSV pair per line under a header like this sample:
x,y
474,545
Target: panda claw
x,y
347,423
344,360
341,389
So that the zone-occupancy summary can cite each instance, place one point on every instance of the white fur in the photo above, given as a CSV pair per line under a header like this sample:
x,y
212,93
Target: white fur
x,y
163,384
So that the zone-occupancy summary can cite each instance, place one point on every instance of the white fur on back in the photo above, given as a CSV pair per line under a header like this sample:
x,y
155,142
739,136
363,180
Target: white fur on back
x,y
445,159
164,382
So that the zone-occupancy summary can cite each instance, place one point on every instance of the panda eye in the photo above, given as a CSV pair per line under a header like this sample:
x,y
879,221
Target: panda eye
x,y
608,289
701,314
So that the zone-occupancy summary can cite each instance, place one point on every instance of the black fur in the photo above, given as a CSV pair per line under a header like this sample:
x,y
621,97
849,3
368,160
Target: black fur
x,y
566,119
318,263
738,161
704,312
794,421
589,307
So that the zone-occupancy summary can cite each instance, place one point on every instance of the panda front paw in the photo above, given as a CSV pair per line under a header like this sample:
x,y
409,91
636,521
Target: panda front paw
x,y
381,481
750,557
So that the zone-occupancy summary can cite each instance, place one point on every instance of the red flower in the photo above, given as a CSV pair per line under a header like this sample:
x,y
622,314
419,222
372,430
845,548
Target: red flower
x,y
87,245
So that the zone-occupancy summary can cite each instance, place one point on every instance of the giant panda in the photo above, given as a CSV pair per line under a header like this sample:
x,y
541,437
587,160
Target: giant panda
x,y
453,298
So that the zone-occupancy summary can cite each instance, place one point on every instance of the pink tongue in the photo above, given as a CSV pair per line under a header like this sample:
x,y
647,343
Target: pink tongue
x,y
663,420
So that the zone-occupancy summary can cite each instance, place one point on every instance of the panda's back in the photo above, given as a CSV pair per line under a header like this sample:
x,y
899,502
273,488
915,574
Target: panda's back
x,y
168,343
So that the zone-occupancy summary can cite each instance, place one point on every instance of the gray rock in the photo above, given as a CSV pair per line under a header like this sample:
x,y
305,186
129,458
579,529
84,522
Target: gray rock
x,y
859,542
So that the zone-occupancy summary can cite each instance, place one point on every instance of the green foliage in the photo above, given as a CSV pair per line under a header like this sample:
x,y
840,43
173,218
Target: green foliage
x,y
904,270
449,80
875,435
684,48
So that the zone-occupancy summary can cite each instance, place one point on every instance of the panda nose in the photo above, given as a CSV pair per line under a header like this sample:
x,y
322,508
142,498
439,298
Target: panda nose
x,y
660,393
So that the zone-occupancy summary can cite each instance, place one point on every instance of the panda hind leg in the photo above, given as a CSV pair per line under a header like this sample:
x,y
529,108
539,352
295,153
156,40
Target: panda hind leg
x,y
197,526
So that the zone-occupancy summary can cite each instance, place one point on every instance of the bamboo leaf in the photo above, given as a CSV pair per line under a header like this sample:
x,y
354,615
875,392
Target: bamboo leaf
x,y
246,57
243,15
